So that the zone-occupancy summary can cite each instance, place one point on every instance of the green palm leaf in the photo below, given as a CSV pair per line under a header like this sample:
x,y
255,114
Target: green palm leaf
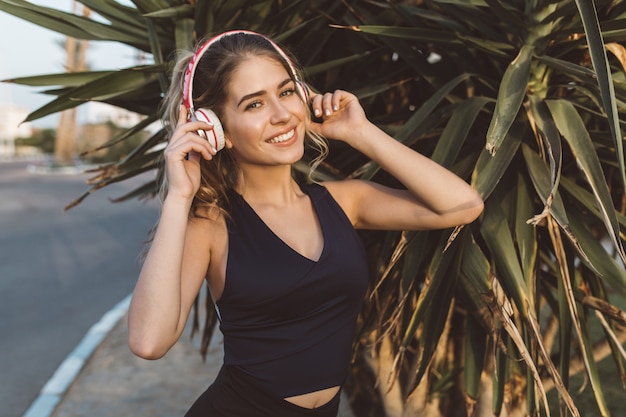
x,y
100,89
510,96
605,80
573,129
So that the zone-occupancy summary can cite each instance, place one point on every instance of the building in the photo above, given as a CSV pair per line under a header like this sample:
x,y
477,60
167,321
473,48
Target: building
x,y
98,113
102,123
11,128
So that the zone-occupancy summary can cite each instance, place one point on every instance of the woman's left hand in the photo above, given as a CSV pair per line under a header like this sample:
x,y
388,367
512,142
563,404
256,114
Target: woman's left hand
x,y
341,113
435,198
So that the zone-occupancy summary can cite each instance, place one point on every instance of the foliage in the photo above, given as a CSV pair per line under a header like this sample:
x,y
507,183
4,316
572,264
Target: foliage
x,y
113,152
42,139
520,97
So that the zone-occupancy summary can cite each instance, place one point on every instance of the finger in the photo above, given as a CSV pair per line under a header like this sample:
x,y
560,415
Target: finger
x,y
327,104
336,100
200,146
182,115
316,105
187,128
190,142
193,157
197,125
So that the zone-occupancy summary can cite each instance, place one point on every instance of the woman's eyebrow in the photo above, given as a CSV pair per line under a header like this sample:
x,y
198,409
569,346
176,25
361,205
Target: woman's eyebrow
x,y
260,93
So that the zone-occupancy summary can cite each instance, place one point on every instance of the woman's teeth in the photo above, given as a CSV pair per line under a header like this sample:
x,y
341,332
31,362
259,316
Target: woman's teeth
x,y
282,138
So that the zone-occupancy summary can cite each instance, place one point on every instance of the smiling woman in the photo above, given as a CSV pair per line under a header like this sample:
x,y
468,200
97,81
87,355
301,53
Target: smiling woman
x,y
283,261
274,99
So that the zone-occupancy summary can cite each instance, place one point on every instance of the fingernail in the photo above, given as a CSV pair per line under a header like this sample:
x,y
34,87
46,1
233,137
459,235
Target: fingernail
x,y
335,107
317,112
327,112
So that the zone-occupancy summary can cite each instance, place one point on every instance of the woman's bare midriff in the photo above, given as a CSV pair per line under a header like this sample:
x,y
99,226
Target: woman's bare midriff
x,y
314,399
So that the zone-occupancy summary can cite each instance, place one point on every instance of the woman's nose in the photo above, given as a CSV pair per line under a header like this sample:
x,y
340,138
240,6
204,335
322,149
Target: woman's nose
x,y
280,113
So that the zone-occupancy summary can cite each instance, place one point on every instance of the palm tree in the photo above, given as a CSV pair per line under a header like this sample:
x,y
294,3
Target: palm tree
x,y
524,98
75,52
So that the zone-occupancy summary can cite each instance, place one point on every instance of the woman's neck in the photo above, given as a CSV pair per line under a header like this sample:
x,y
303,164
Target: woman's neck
x,y
268,185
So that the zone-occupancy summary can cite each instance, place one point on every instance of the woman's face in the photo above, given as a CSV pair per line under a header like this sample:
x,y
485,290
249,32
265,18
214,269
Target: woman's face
x,y
264,117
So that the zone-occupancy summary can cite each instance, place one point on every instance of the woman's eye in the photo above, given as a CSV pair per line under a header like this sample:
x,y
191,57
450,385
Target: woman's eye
x,y
253,105
287,92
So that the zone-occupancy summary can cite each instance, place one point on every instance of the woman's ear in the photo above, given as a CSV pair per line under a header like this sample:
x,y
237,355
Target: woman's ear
x,y
227,143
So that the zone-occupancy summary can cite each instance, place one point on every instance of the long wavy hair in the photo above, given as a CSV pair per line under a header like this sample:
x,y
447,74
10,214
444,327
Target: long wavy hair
x,y
211,79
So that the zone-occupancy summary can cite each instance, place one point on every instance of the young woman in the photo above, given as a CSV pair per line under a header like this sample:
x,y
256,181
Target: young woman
x,y
282,260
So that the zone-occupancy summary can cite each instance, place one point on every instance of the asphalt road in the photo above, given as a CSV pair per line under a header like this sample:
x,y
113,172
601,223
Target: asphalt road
x,y
59,271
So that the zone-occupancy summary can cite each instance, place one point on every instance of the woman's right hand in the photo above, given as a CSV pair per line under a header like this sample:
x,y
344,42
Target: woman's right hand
x,y
183,156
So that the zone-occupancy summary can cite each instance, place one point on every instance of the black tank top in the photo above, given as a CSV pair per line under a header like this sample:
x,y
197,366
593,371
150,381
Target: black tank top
x,y
289,321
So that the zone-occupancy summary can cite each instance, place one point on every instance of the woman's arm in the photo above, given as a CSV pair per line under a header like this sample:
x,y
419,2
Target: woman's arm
x,y
434,197
179,255
170,279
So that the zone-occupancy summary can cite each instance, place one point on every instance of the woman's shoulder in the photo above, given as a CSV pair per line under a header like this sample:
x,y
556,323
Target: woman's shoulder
x,y
344,189
346,193
207,214
208,224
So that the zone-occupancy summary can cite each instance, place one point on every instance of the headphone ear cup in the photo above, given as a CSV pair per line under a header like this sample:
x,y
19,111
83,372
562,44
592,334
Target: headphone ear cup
x,y
215,136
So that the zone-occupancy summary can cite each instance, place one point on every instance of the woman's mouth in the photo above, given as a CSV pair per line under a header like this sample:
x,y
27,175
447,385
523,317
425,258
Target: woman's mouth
x,y
282,138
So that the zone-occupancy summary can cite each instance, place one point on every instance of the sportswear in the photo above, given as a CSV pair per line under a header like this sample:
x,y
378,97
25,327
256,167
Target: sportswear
x,y
288,321
236,394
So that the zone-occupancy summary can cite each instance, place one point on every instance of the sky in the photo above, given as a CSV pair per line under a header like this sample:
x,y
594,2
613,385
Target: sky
x,y
26,49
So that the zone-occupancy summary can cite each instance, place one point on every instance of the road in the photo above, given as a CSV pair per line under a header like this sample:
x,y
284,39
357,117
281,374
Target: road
x,y
59,271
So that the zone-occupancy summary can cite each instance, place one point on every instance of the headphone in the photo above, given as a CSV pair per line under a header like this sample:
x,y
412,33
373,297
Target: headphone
x,y
216,135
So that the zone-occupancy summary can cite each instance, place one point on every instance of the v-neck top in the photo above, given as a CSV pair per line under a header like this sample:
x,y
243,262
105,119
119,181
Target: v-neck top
x,y
288,320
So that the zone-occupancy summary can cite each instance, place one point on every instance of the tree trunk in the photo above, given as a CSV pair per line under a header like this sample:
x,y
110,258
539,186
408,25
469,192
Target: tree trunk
x,y
66,132
65,143
381,362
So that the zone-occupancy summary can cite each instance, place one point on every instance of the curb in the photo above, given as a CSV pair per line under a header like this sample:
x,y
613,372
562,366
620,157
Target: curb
x,y
52,393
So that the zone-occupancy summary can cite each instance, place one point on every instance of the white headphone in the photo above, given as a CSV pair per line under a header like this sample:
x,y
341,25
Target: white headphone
x,y
216,135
